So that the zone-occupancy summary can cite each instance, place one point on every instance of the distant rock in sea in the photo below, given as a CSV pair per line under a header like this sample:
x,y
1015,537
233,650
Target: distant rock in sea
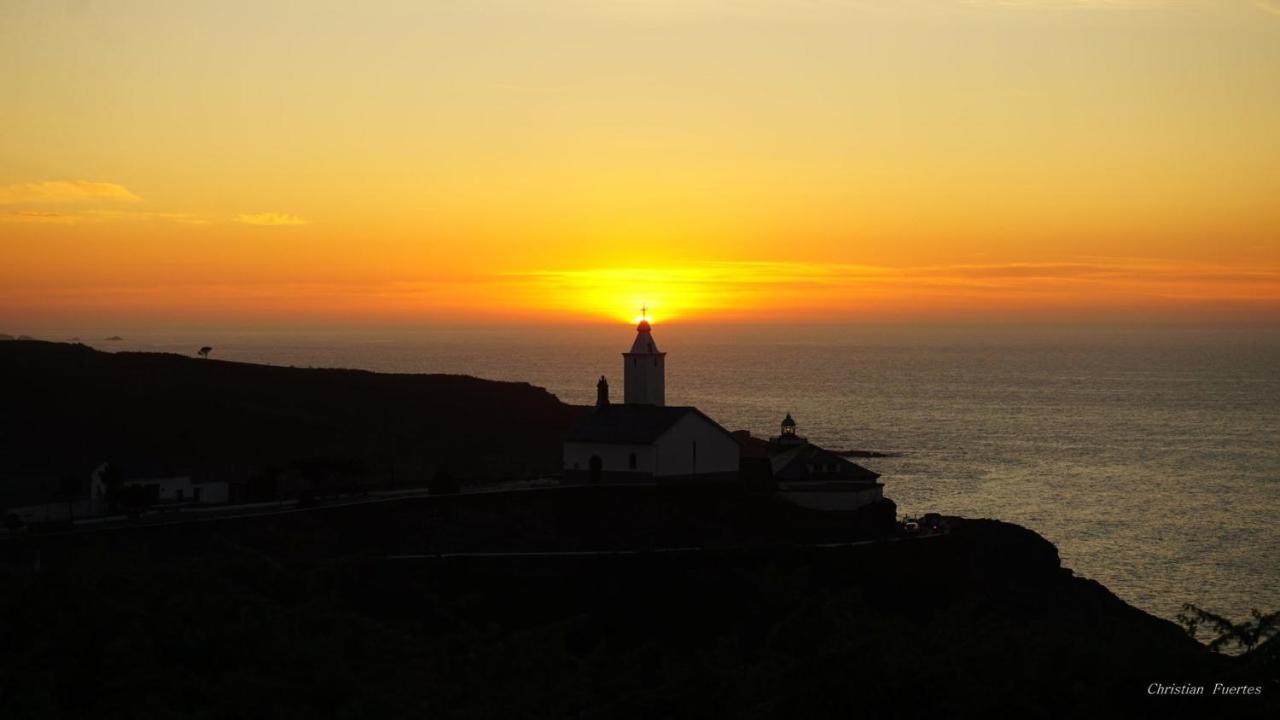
x,y
867,454
113,338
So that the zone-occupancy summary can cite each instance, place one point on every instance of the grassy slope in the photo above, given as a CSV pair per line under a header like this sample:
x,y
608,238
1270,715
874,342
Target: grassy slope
x,y
67,407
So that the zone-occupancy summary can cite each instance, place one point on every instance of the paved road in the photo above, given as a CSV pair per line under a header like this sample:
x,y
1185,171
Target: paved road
x,y
189,515
290,507
664,551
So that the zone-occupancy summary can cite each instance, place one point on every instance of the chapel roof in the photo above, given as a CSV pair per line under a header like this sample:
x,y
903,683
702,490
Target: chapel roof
x,y
629,424
798,463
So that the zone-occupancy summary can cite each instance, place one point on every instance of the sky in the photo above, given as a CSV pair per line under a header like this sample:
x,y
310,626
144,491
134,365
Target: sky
x,y
316,163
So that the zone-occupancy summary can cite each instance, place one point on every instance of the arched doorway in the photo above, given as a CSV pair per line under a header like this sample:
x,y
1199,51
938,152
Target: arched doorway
x,y
597,469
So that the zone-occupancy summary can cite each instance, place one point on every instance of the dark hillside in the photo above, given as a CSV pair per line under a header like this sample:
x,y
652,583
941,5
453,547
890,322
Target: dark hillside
x,y
305,615
66,407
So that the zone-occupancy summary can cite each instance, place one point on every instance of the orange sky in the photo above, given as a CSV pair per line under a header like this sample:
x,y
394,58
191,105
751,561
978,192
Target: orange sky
x,y
246,163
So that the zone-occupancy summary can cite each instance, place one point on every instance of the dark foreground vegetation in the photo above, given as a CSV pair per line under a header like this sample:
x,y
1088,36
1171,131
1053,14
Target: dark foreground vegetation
x,y
306,615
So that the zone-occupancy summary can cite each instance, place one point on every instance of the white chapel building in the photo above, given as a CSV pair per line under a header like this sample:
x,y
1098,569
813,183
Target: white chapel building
x,y
643,440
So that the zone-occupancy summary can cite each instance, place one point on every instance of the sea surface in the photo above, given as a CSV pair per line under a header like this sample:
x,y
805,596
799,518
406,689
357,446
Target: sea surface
x,y
1149,456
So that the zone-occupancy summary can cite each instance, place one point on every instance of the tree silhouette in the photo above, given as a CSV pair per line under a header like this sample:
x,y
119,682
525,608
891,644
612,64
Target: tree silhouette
x,y
69,489
1245,636
113,480
204,352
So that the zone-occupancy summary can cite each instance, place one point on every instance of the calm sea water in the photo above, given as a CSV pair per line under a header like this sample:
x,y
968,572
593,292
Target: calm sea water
x,y
1151,458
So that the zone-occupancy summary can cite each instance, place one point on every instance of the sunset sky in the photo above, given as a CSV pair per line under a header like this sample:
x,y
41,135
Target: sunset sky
x,y
249,163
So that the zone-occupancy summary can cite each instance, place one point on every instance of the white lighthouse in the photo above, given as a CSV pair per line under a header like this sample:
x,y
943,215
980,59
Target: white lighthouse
x,y
643,370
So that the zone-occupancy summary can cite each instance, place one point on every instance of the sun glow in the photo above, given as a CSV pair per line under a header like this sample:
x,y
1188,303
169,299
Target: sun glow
x,y
450,166
618,293
772,291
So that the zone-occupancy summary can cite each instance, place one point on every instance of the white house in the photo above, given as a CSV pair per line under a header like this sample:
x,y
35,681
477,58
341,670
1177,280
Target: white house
x,y
816,478
644,440
46,504
182,489
163,488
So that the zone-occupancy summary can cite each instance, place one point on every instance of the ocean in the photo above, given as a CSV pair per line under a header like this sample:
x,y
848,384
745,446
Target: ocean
x,y
1149,456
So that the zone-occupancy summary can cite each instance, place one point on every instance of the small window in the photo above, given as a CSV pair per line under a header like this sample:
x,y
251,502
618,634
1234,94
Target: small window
x,y
178,495
631,461
195,494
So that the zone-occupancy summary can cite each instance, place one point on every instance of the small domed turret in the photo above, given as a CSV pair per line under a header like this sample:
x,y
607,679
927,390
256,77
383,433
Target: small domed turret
x,y
788,435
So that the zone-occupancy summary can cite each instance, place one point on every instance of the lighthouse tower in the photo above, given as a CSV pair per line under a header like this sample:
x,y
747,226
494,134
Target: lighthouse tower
x,y
643,370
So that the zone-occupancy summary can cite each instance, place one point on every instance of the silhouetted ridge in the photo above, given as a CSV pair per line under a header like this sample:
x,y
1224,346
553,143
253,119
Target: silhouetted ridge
x,y
68,406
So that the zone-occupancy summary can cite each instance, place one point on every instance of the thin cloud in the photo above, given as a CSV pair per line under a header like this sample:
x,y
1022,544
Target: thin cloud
x,y
98,216
64,191
181,218
1271,7
1097,4
270,219
1075,287
38,216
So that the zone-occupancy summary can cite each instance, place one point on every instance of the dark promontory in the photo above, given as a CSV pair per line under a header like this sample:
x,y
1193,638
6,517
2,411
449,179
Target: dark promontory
x,y
588,602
